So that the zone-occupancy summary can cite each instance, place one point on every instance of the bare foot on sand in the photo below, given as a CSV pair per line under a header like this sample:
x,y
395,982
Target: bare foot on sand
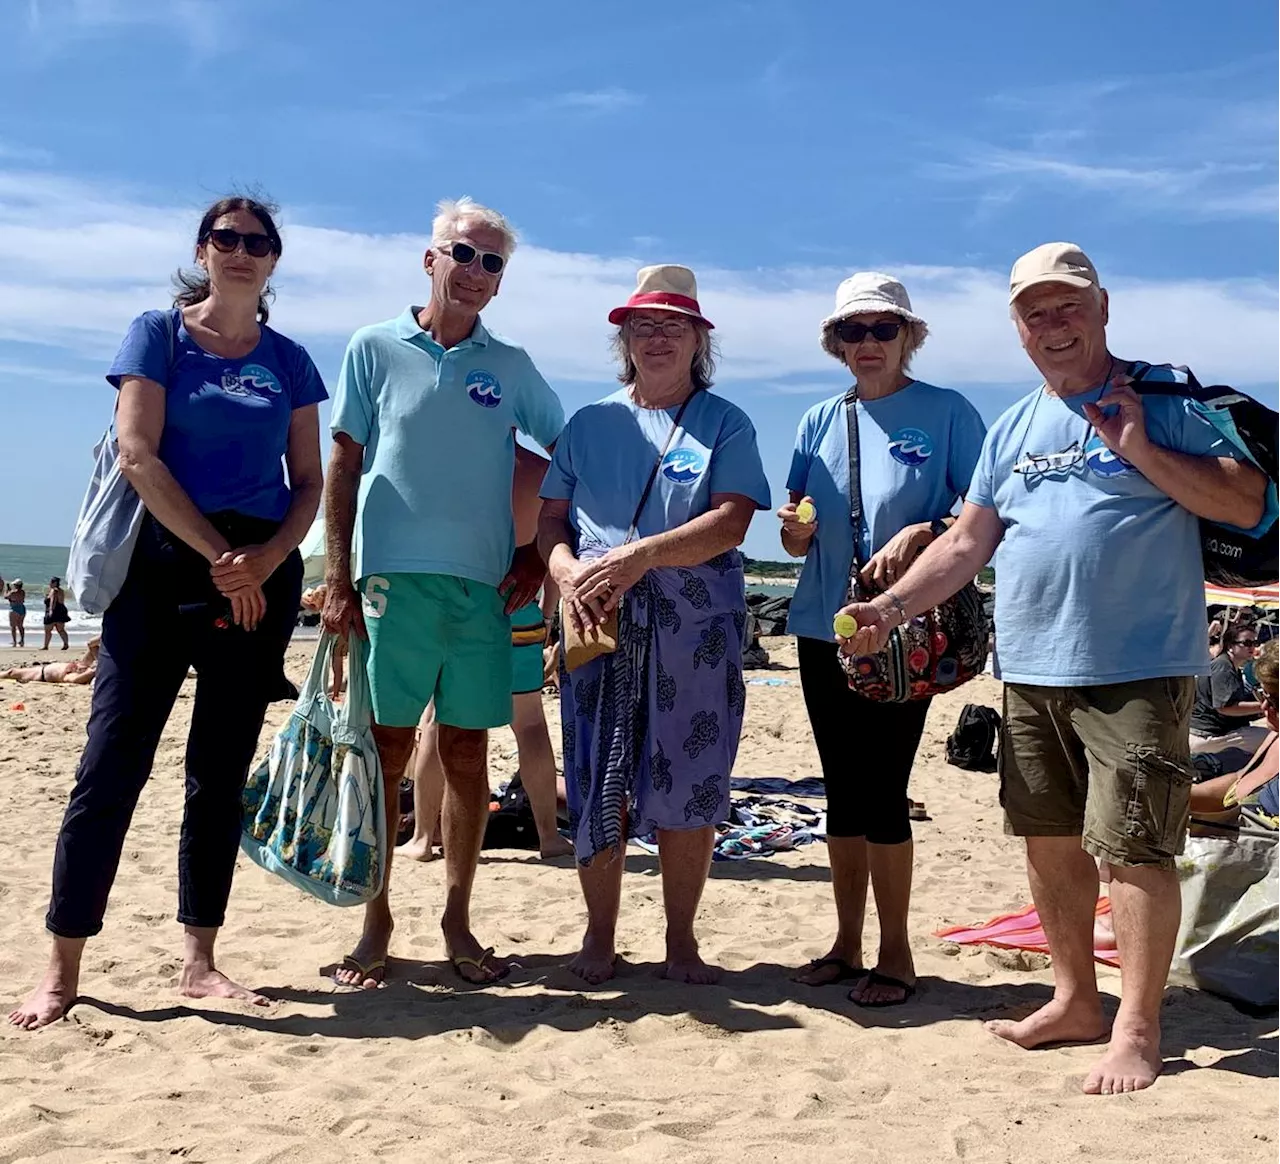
x,y
206,982
1131,1063
44,1005
1055,1022
685,964
417,849
596,961
557,846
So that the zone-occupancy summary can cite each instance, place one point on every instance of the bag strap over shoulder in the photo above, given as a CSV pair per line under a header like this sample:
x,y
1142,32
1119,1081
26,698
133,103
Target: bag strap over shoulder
x,y
657,464
855,475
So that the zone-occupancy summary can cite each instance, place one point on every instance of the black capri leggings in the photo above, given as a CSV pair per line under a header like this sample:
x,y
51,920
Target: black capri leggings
x,y
161,623
866,749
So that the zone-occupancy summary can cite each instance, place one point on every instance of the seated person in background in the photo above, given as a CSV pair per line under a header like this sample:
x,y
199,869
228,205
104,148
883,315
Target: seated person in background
x,y
1224,704
79,671
1254,786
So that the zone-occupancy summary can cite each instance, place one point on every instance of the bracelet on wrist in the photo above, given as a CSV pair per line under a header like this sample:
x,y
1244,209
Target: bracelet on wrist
x,y
898,606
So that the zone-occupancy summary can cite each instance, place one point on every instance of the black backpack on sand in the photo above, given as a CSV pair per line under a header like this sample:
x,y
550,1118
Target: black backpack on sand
x,y
973,744
511,824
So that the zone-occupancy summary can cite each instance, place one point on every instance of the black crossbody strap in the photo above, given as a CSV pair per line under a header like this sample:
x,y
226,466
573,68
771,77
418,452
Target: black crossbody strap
x,y
653,473
855,476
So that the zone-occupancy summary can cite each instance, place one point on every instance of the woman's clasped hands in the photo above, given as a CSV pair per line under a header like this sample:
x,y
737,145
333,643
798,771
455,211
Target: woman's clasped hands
x,y
239,574
592,589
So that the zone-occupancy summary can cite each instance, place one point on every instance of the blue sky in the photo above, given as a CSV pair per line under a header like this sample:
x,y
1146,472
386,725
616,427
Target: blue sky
x,y
772,147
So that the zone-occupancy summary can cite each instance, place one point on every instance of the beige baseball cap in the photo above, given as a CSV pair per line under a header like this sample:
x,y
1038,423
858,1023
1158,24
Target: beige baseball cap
x,y
1055,262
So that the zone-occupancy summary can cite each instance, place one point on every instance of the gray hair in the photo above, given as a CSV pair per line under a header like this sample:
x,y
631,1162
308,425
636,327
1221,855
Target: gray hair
x,y
453,213
702,370
916,334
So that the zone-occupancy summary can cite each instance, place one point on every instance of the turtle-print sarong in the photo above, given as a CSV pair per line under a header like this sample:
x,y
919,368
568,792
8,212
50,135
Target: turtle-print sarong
x,y
653,728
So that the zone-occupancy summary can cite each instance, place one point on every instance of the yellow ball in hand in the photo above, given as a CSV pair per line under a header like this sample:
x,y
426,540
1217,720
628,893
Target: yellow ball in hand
x,y
806,513
845,625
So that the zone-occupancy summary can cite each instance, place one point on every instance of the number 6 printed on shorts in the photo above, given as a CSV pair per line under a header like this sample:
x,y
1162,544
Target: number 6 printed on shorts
x,y
375,597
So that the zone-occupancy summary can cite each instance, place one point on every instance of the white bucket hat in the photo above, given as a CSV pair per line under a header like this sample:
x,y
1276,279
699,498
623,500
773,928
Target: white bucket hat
x,y
869,293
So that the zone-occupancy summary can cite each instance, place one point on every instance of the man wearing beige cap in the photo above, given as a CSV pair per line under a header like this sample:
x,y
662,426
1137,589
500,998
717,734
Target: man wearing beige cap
x,y
1088,495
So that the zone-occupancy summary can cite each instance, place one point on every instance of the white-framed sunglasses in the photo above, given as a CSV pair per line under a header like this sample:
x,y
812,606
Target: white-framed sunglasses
x,y
464,254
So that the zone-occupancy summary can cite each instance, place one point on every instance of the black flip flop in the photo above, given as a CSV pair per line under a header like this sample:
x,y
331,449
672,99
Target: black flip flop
x,y
875,978
846,972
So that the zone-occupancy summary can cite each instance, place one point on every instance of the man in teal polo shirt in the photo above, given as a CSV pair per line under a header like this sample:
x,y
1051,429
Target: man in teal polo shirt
x,y
420,474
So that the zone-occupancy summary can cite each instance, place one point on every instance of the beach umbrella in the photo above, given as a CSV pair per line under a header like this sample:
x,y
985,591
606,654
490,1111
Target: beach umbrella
x,y
1266,597
312,551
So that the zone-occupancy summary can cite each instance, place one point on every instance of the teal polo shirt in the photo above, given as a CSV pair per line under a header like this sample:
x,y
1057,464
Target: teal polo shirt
x,y
439,451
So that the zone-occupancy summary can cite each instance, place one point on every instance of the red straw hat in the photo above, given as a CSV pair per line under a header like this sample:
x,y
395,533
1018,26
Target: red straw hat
x,y
663,288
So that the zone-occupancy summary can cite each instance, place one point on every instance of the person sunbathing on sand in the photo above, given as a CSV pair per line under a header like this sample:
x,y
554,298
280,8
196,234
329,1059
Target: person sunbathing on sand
x,y
79,671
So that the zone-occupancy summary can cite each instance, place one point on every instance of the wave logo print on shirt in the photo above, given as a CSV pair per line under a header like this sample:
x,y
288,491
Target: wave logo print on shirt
x,y
484,389
683,465
1103,461
251,380
910,446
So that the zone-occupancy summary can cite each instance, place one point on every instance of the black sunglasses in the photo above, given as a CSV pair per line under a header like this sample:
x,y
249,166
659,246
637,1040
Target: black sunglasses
x,y
256,244
854,333
464,254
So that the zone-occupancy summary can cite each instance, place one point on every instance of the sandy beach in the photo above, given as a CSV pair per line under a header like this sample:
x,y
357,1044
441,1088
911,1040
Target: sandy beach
x,y
541,1068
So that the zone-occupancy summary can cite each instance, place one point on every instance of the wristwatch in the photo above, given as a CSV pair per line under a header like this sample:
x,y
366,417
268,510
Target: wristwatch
x,y
938,527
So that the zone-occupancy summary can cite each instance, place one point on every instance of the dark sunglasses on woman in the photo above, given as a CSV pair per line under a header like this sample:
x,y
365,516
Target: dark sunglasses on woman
x,y
464,253
256,244
854,333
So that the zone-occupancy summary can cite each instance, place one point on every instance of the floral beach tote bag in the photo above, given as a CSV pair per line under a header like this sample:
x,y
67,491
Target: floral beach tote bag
x,y
313,811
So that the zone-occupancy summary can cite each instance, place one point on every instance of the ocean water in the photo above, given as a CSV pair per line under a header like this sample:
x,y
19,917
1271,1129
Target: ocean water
x,y
35,565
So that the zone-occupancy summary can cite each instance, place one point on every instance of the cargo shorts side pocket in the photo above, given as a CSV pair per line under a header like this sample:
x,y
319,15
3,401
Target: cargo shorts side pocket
x,y
1158,805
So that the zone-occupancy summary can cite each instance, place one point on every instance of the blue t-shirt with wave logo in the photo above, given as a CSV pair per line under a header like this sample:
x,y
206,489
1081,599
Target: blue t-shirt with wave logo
x,y
917,449
608,450
226,421
1099,577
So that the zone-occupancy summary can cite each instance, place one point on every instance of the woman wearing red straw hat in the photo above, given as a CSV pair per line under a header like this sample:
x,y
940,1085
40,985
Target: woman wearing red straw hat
x,y
649,494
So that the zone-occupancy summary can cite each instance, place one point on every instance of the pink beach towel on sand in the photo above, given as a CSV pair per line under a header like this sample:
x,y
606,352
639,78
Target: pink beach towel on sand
x,y
1022,931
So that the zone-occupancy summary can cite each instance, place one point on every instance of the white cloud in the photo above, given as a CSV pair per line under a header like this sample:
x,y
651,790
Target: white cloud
x,y
50,23
592,101
1190,144
77,262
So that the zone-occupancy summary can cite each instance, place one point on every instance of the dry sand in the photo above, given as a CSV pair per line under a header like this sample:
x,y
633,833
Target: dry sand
x,y
755,1069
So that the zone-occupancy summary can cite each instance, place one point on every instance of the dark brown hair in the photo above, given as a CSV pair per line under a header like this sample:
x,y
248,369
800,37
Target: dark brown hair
x,y
192,286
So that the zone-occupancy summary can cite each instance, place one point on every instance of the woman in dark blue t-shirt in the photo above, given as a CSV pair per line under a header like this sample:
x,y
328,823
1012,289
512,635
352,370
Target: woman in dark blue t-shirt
x,y
212,405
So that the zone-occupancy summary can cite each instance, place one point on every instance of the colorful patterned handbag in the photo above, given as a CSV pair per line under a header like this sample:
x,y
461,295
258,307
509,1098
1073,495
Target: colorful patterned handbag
x,y
929,654
313,811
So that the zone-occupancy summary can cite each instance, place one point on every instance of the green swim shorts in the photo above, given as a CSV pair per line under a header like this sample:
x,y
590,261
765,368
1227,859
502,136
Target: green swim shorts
x,y
437,637
528,637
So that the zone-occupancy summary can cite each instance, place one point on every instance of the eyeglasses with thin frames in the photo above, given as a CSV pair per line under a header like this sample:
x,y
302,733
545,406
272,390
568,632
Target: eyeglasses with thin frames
x,y
648,328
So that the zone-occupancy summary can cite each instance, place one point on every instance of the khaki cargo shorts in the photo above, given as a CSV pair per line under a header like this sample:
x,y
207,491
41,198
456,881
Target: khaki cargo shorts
x,y
1110,764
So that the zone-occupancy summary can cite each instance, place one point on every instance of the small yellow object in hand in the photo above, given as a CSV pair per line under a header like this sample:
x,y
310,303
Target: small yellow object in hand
x,y
845,625
806,513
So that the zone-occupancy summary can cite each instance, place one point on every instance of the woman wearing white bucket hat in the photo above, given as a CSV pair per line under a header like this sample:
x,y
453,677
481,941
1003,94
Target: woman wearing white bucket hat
x,y
917,448
649,494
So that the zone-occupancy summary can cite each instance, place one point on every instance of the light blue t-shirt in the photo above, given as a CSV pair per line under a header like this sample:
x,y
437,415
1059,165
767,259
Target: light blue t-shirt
x,y
608,450
917,449
436,426
1098,576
